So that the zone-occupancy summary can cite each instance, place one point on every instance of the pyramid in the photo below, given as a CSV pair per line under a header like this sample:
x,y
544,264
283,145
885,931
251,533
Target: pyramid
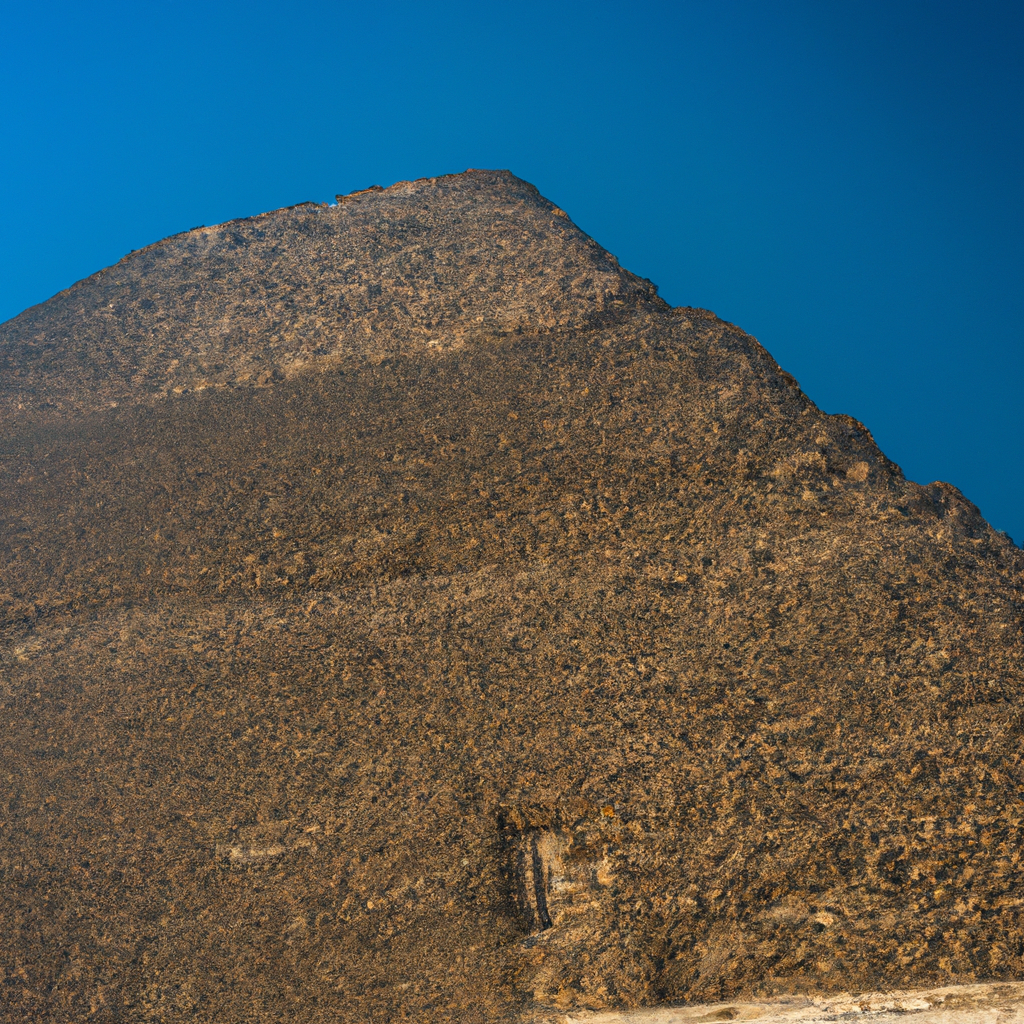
x,y
408,615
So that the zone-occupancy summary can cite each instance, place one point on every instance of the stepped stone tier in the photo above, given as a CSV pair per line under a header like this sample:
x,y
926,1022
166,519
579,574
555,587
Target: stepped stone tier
x,y
407,615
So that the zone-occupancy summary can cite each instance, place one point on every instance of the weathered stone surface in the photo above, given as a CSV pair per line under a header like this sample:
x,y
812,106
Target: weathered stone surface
x,y
441,627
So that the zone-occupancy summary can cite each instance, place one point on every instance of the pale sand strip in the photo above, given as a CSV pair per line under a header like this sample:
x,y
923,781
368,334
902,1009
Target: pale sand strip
x,y
994,1003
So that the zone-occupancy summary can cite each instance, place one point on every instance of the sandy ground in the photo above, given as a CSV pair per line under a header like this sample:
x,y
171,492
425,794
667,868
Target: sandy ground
x,y
1000,1003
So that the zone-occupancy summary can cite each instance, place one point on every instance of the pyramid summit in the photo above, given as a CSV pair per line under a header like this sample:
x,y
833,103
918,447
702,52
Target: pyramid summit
x,y
407,615
419,266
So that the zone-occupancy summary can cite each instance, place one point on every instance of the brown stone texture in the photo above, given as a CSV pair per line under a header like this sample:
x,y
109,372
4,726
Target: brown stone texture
x,y
407,615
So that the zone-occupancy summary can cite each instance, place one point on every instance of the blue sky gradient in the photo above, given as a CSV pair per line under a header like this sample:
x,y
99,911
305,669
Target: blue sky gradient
x,y
844,180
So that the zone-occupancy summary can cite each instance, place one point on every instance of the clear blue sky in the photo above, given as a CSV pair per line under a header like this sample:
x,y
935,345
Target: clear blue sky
x,y
844,180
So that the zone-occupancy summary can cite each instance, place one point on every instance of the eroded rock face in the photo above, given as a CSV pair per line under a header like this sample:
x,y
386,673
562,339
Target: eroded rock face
x,y
509,641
